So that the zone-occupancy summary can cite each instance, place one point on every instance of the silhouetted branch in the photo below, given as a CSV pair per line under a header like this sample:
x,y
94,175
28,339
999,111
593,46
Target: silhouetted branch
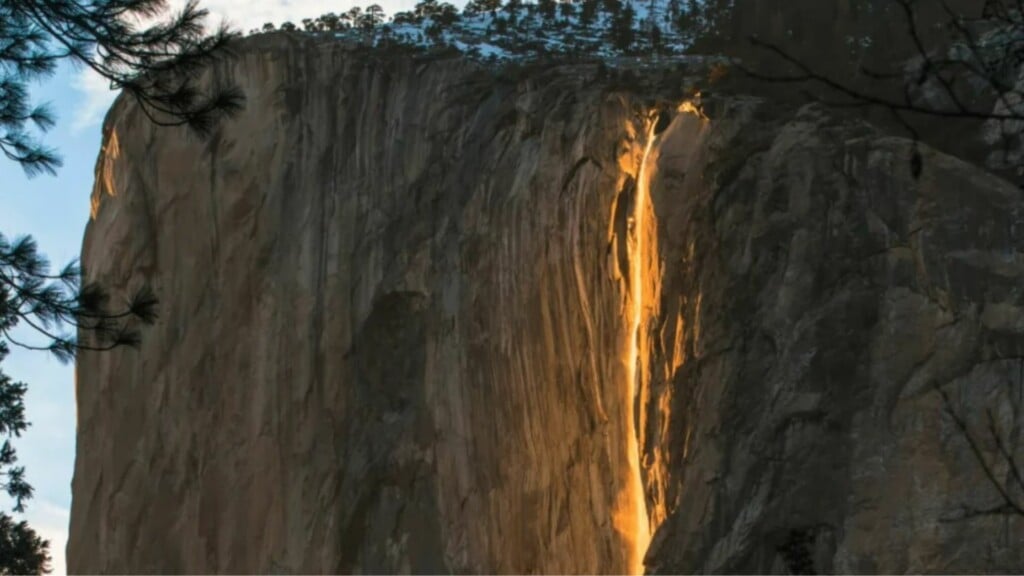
x,y
960,78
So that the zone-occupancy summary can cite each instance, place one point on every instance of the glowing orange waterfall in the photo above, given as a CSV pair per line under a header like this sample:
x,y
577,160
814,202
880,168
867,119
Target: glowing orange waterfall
x,y
632,518
635,524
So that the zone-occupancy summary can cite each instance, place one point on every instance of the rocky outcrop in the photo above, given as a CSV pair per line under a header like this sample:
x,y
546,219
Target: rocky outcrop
x,y
816,299
396,310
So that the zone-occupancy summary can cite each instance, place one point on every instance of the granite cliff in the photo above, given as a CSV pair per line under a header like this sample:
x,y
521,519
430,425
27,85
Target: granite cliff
x,y
421,315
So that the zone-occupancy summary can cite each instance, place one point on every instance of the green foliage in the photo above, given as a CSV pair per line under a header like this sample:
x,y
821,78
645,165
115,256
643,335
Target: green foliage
x,y
405,18
372,18
547,9
22,551
49,304
425,9
588,12
446,14
656,38
482,6
566,9
622,33
330,22
688,20
12,424
159,67
503,29
513,8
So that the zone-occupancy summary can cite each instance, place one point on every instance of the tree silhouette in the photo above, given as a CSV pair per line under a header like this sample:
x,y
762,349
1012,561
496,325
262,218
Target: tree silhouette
x,y
547,9
967,73
588,12
622,33
372,18
22,551
160,68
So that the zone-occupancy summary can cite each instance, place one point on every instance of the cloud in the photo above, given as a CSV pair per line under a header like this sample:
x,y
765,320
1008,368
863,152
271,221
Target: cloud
x,y
96,98
243,15
51,523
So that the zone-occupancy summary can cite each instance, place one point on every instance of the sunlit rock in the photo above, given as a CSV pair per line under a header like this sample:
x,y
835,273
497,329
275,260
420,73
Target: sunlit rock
x,y
418,315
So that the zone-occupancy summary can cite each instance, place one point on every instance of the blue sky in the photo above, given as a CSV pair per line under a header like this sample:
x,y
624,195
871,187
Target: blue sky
x,y
55,211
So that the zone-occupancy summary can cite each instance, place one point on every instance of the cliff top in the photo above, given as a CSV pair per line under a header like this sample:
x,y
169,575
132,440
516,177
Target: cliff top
x,y
490,30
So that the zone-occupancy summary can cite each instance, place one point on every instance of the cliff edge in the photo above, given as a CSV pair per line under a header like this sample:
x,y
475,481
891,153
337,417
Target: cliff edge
x,y
418,315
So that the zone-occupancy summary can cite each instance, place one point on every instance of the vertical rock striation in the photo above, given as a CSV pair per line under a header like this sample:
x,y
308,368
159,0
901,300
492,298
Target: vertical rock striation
x,y
390,340
407,304
816,299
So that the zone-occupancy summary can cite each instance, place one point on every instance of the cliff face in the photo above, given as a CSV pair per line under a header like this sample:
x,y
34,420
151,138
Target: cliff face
x,y
390,337
816,302
397,307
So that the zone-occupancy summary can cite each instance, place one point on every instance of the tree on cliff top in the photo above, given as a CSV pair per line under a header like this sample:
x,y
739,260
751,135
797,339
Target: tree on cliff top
x,y
159,66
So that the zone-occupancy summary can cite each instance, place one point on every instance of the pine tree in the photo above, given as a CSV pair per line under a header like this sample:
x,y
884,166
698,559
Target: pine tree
x,y
688,20
371,18
673,10
486,6
12,424
159,67
22,551
48,305
622,32
513,7
330,22
500,25
566,9
588,12
656,40
446,15
547,9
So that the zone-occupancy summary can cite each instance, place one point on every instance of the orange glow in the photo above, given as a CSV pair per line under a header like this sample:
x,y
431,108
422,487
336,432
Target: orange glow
x,y
104,182
631,517
688,107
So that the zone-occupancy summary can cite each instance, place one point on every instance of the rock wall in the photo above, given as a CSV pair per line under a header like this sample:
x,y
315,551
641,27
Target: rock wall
x,y
816,299
396,310
390,339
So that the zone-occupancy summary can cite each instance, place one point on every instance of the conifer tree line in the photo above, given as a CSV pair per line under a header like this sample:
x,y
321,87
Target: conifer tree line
x,y
830,30
684,20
